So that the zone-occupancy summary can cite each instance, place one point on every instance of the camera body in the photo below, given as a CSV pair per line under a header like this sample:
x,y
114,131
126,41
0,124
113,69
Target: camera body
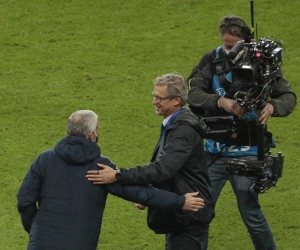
x,y
256,72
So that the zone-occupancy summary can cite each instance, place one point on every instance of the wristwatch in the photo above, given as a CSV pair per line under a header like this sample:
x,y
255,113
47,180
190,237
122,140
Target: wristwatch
x,y
118,175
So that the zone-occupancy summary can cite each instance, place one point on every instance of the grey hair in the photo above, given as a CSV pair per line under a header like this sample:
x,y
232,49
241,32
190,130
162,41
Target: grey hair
x,y
176,86
81,123
232,25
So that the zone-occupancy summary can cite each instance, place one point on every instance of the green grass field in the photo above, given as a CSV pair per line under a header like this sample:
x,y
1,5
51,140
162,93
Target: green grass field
x,y
63,55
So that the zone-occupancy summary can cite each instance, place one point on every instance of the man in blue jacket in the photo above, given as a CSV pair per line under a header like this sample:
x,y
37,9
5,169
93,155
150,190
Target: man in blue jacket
x,y
61,209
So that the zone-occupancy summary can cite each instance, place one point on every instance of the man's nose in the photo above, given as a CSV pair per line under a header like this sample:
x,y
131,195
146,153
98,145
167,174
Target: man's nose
x,y
154,101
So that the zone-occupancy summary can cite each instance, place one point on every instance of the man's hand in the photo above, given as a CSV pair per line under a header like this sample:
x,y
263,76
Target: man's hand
x,y
140,206
192,202
106,175
232,107
266,113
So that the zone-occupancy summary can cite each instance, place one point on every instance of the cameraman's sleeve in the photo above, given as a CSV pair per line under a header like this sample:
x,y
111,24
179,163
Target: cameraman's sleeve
x,y
147,195
283,98
200,93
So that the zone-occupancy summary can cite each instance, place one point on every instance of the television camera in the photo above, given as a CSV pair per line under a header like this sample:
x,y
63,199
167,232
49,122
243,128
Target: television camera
x,y
255,73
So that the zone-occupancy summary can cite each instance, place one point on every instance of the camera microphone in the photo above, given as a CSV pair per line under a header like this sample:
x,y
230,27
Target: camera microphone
x,y
236,49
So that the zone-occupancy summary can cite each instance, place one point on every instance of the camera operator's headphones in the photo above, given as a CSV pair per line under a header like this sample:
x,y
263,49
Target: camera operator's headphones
x,y
244,28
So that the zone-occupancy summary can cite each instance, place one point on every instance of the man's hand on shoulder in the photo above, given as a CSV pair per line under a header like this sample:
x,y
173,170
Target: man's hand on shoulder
x,y
192,202
106,175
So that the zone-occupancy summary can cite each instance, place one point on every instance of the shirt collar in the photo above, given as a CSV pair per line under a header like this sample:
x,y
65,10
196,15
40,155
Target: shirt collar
x,y
165,121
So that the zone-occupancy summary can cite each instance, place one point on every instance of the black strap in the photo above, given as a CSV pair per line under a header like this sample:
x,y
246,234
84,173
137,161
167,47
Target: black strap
x,y
219,70
216,156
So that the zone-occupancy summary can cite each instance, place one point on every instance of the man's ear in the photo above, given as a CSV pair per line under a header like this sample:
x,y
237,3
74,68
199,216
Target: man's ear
x,y
91,135
177,100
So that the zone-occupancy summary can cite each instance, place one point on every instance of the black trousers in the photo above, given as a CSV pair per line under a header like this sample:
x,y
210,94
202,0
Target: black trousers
x,y
185,240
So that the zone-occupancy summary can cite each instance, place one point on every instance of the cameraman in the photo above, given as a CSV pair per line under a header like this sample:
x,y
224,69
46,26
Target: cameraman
x,y
208,82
